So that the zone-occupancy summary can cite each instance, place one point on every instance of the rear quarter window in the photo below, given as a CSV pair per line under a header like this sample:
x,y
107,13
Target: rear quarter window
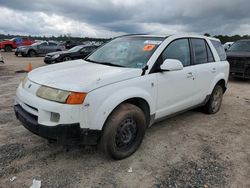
x,y
220,50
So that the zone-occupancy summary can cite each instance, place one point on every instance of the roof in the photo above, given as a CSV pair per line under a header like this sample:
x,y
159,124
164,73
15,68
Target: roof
x,y
166,36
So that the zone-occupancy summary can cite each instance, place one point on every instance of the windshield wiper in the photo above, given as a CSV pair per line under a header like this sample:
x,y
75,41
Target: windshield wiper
x,y
110,64
104,63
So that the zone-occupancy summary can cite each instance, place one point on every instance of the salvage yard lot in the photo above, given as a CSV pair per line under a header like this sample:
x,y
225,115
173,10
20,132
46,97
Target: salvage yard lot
x,y
191,149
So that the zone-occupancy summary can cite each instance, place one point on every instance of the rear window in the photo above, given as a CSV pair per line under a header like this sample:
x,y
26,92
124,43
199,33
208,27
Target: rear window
x,y
220,50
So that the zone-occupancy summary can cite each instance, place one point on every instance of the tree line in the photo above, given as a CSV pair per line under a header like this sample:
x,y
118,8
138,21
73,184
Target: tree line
x,y
226,38
55,38
223,38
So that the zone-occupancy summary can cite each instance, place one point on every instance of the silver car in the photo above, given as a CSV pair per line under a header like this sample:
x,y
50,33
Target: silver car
x,y
39,48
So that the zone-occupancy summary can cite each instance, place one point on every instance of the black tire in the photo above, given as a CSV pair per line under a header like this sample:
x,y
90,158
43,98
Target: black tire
x,y
123,132
214,103
66,58
8,48
32,53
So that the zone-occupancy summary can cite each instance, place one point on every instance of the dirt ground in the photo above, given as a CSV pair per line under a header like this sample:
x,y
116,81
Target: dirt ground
x,y
189,150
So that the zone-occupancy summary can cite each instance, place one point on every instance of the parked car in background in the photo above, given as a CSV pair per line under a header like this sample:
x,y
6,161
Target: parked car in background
x,y
227,45
8,45
70,44
77,52
39,48
1,59
112,96
238,56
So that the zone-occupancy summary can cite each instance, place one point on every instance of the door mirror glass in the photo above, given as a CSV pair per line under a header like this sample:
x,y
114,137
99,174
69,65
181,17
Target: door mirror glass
x,y
171,65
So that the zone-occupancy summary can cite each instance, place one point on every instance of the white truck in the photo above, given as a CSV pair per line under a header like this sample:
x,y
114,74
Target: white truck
x,y
121,89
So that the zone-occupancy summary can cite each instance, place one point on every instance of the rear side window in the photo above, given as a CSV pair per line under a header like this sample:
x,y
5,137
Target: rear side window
x,y
210,56
52,44
220,50
200,51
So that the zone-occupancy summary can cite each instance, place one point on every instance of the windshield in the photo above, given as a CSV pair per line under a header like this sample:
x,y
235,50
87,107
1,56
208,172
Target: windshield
x,y
131,52
37,43
240,46
75,49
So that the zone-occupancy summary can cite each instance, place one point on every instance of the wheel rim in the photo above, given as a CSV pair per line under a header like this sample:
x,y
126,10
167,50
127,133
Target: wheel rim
x,y
32,54
217,99
126,134
8,49
66,59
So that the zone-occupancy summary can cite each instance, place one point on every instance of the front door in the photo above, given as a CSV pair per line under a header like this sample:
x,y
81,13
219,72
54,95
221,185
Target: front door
x,y
176,89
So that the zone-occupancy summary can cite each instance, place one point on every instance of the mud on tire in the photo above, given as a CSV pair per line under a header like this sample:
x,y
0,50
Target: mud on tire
x,y
214,103
123,132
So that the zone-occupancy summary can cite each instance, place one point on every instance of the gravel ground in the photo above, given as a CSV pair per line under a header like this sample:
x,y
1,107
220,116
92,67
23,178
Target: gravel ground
x,y
189,150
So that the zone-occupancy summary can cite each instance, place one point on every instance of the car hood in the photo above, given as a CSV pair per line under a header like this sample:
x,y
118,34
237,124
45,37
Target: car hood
x,y
238,54
81,76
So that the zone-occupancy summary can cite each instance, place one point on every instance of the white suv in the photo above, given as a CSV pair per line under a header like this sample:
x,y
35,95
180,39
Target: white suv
x,y
121,89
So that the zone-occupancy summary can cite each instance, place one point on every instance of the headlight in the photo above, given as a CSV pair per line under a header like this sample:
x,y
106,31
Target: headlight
x,y
60,96
55,56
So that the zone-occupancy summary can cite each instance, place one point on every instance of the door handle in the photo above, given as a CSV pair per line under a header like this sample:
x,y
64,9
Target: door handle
x,y
190,75
213,70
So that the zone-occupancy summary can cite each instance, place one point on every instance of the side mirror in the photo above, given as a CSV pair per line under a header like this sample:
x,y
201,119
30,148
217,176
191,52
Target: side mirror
x,y
171,65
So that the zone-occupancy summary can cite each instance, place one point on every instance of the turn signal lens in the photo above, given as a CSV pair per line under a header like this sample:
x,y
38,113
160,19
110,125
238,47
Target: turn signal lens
x,y
76,98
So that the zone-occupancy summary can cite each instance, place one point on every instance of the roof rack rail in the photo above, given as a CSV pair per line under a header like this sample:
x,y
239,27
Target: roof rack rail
x,y
127,35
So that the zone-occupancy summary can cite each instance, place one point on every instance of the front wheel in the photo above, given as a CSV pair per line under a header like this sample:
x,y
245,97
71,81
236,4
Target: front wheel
x,y
123,131
214,103
67,58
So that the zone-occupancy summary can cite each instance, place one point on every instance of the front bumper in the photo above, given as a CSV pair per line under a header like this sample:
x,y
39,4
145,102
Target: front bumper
x,y
68,134
239,67
50,60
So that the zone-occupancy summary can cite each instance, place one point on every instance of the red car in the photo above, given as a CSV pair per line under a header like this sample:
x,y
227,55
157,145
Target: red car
x,y
8,45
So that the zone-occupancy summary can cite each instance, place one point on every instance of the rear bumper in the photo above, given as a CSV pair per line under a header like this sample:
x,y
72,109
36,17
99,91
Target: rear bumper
x,y
68,134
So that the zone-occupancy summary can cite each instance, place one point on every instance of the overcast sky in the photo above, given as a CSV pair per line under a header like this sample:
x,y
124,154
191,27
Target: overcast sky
x,y
107,18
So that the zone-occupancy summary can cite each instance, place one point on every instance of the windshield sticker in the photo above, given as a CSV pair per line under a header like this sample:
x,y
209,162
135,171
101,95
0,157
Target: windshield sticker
x,y
156,42
148,47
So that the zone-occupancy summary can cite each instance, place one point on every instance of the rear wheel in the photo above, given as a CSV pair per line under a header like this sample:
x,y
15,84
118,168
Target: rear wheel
x,y
32,53
123,131
214,103
8,49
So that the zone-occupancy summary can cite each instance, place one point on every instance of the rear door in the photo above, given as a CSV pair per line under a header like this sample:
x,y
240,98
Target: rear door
x,y
204,67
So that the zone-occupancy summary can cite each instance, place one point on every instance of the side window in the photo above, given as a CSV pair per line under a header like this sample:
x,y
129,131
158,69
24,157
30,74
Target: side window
x,y
200,51
220,50
52,44
210,56
87,49
178,49
43,44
